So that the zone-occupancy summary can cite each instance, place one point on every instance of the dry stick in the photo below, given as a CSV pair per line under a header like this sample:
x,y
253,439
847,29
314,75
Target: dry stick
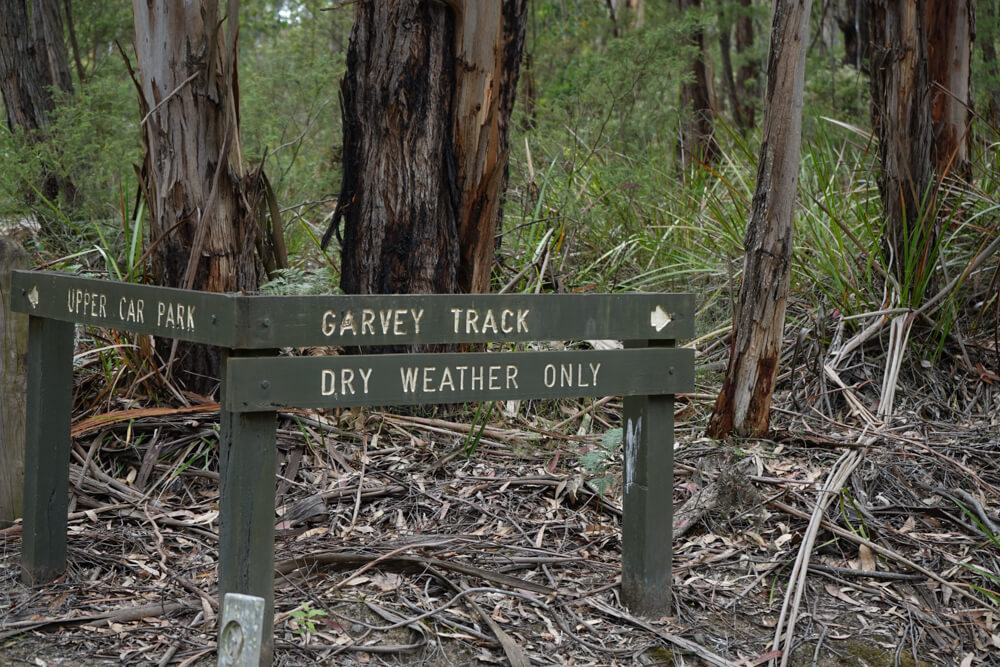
x,y
844,467
367,566
686,644
888,553
126,615
580,413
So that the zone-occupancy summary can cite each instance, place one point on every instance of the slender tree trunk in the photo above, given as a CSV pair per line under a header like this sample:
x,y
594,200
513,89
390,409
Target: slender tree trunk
x,y
744,404
427,100
201,200
71,29
949,25
33,63
988,21
696,143
748,79
901,119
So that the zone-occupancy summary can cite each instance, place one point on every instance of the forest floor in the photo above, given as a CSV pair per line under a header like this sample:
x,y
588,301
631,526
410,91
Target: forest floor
x,y
395,545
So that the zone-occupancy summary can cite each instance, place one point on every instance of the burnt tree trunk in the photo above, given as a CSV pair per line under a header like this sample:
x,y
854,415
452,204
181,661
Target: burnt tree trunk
x,y
696,141
744,403
33,63
902,121
427,100
854,27
201,200
949,25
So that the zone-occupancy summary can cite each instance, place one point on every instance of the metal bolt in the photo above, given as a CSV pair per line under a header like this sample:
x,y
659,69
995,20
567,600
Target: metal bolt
x,y
266,322
670,371
264,384
214,319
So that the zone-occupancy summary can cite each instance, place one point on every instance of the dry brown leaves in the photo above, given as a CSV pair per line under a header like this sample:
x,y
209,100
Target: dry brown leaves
x,y
395,547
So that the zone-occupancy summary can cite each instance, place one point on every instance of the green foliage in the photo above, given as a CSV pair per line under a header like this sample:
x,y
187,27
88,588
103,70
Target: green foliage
x,y
597,461
291,57
305,617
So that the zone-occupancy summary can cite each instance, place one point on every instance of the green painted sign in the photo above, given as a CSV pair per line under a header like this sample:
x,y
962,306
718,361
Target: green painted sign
x,y
255,384
468,318
269,383
260,322
202,317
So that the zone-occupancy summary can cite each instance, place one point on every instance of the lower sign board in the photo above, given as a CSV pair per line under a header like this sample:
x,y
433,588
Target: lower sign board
x,y
269,383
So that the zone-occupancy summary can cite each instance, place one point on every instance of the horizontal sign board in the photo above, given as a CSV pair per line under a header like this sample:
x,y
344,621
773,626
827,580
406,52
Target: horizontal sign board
x,y
202,317
254,322
269,383
290,321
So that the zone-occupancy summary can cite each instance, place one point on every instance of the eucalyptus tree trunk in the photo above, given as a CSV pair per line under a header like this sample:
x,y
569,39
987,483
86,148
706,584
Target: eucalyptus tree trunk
x,y
202,202
427,100
696,141
626,15
902,121
743,406
33,63
949,26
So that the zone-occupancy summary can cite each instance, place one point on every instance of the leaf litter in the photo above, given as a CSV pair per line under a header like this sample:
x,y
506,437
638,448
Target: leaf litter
x,y
834,542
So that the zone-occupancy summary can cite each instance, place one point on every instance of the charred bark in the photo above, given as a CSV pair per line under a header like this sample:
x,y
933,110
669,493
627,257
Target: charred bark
x,y
427,100
744,403
202,203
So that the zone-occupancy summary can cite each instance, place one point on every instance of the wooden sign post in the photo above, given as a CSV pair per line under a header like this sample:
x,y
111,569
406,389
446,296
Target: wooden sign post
x,y
256,383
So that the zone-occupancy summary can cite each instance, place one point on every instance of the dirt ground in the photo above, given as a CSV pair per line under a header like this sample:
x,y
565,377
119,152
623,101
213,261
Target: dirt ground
x,y
397,544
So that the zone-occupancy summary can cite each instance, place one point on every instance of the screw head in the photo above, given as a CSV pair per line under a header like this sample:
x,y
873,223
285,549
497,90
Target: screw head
x,y
265,384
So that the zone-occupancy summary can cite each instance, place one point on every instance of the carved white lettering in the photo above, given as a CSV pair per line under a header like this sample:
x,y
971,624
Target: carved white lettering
x,y
522,320
489,322
130,310
368,321
175,316
332,380
329,326
416,319
504,325
347,323
385,317
434,379
408,376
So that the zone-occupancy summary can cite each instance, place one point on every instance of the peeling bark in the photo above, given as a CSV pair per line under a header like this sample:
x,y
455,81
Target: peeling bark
x,y
949,25
202,214
901,118
744,404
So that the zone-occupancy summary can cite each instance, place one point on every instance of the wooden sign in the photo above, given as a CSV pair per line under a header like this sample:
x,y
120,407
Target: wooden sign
x,y
468,318
202,317
269,383
262,322
256,383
